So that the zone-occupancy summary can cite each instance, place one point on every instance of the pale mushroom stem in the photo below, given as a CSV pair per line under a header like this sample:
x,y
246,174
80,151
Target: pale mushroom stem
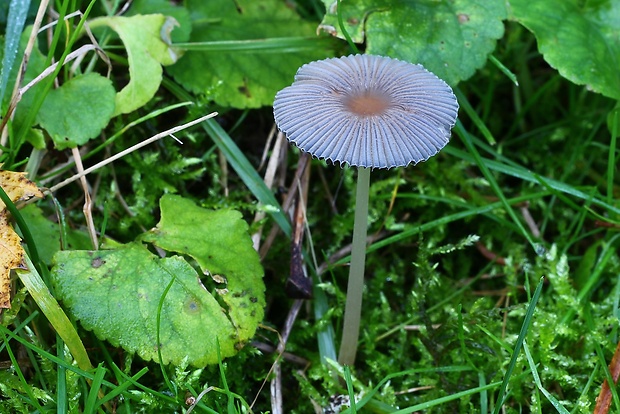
x,y
355,288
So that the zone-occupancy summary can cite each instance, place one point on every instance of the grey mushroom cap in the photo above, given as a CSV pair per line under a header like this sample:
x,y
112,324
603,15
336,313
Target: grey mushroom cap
x,y
367,111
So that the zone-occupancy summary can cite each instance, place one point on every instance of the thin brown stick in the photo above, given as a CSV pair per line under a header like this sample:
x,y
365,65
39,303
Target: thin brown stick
x,y
603,401
529,220
288,201
87,209
287,356
276,383
282,339
493,257
298,284
327,192
270,173
346,250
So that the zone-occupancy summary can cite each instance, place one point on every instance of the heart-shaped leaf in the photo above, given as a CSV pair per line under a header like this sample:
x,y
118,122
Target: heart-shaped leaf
x,y
579,39
87,103
450,38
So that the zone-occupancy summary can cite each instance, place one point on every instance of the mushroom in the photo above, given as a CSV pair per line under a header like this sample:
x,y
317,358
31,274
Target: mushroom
x,y
368,112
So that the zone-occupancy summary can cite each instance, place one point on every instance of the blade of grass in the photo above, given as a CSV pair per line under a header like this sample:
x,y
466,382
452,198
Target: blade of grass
x,y
527,175
18,328
473,115
367,398
54,313
586,207
344,30
609,250
491,179
447,398
325,334
122,385
160,305
85,374
18,10
405,234
494,337
95,387
4,149
461,336
504,70
133,380
586,389
517,348
554,401
611,160
350,391
231,396
61,379
199,403
484,395
270,45
16,366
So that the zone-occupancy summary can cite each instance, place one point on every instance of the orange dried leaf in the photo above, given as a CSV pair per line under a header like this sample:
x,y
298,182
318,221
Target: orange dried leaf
x,y
19,189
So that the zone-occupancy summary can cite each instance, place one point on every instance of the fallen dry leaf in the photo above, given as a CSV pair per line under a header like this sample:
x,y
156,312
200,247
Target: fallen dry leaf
x,y
19,189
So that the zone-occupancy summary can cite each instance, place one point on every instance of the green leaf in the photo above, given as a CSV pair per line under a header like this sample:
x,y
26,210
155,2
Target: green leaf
x,y
579,39
167,8
116,293
451,39
87,103
245,74
219,242
147,49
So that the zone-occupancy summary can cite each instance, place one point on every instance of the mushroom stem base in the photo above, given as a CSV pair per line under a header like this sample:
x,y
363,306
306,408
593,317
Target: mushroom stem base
x,y
355,287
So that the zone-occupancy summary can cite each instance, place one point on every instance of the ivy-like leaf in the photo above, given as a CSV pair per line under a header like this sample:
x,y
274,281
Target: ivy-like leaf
x,y
218,240
452,39
579,39
233,75
87,103
116,293
144,39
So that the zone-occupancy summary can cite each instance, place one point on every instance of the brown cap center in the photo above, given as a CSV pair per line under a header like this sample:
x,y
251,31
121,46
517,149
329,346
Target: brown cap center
x,y
368,104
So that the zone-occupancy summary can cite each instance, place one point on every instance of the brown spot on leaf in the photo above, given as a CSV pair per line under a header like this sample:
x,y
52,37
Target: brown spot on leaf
x,y
192,305
97,262
463,18
244,89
